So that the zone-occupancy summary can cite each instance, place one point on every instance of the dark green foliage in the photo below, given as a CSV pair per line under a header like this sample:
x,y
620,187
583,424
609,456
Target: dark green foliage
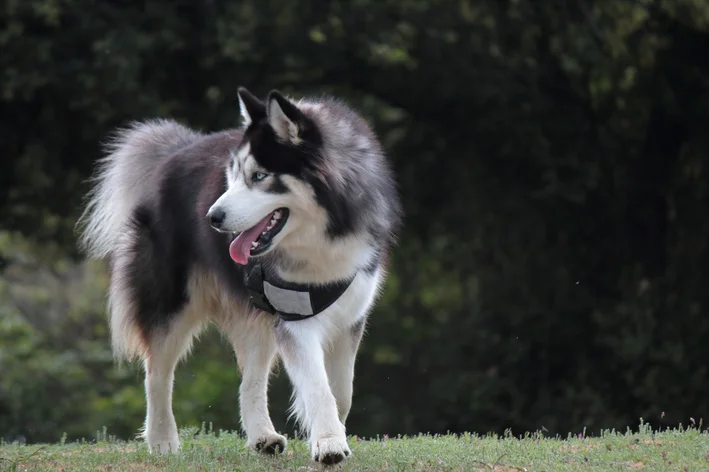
x,y
552,157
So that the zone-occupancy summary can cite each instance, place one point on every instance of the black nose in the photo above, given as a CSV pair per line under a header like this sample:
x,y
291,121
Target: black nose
x,y
216,217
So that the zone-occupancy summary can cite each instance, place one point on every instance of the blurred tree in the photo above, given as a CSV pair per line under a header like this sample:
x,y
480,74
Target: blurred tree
x,y
551,156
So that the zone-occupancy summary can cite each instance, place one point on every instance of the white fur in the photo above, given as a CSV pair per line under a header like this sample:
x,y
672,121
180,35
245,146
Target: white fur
x,y
323,259
254,343
319,356
244,203
340,367
303,237
318,353
245,116
234,170
126,339
284,128
123,173
160,362
135,154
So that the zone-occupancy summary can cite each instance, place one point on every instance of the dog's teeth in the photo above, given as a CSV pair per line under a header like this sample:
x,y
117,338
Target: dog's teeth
x,y
277,215
254,245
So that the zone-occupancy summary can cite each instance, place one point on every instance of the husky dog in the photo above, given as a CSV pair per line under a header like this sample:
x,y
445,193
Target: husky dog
x,y
278,232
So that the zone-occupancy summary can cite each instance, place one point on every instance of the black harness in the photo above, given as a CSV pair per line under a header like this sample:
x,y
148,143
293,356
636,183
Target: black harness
x,y
290,301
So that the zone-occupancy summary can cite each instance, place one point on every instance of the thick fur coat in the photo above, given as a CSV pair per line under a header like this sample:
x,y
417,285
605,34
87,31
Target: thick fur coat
x,y
306,188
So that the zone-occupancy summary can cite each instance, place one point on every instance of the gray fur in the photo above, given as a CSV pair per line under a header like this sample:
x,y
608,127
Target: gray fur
x,y
171,271
123,176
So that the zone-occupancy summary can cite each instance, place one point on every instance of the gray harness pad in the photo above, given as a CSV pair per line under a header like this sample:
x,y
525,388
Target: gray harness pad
x,y
288,301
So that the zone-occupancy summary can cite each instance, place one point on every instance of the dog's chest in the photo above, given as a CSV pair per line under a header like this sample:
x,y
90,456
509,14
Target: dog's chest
x,y
347,311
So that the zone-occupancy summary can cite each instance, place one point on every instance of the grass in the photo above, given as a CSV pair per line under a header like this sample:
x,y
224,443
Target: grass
x,y
682,449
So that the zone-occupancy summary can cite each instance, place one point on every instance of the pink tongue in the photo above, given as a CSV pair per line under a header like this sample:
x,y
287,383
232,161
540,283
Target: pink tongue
x,y
240,248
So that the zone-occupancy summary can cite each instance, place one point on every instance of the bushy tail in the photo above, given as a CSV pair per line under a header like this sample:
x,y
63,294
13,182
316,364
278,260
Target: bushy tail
x,y
121,179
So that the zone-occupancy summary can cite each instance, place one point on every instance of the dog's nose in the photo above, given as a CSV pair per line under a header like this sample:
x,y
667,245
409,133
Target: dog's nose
x,y
216,217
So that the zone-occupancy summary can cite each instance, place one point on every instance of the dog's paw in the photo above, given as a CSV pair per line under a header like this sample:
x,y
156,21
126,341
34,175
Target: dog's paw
x,y
164,446
270,443
330,450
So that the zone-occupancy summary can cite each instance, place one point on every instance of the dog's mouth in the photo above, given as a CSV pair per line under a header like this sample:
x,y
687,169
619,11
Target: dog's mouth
x,y
257,240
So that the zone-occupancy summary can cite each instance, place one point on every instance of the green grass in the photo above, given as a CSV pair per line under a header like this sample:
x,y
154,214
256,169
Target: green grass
x,y
673,450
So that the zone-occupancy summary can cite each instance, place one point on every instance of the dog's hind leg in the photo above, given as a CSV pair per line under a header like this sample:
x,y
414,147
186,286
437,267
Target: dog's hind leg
x,y
255,346
164,350
340,364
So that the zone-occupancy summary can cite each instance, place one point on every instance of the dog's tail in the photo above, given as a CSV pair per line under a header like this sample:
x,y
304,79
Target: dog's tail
x,y
122,179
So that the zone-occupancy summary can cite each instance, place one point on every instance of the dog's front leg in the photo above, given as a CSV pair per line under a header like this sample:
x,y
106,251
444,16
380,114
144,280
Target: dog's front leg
x,y
255,355
340,363
301,350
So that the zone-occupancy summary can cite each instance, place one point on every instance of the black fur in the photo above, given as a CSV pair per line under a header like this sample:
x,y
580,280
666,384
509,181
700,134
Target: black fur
x,y
254,107
172,235
281,158
154,293
307,129
339,208
278,186
303,160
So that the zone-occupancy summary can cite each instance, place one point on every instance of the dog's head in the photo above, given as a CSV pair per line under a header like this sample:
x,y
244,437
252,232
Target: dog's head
x,y
310,179
270,178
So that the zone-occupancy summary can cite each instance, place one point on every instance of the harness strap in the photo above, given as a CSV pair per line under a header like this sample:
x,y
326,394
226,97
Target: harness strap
x,y
290,301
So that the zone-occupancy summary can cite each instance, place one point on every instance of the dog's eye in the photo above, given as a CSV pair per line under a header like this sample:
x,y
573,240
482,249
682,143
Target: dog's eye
x,y
258,176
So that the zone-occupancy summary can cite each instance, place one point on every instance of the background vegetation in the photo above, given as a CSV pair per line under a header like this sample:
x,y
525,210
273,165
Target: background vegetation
x,y
552,157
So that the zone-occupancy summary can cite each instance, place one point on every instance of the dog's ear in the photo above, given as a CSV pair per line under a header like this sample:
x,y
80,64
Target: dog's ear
x,y
287,121
252,109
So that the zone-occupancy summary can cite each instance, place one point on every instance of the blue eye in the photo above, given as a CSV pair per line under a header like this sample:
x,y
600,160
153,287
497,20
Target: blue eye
x,y
258,176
